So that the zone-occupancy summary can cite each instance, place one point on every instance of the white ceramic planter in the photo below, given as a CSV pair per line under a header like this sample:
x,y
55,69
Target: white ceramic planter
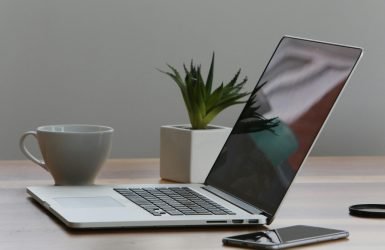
x,y
187,155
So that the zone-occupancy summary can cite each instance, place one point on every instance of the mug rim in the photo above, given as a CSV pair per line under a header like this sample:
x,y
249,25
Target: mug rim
x,y
102,129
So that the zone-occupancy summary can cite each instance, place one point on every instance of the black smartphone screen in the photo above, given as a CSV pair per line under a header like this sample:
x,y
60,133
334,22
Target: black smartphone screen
x,y
290,234
286,237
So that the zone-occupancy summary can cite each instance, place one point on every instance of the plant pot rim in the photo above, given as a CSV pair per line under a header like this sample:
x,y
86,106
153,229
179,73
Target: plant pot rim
x,y
210,127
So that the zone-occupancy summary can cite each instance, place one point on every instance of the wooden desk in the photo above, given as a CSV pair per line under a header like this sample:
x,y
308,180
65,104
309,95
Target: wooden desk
x,y
320,196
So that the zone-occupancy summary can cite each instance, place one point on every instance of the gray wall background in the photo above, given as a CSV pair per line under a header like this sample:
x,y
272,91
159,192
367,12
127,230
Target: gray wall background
x,y
94,61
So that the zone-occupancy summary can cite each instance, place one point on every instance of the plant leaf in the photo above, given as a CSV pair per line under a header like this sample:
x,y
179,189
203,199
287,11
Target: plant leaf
x,y
210,76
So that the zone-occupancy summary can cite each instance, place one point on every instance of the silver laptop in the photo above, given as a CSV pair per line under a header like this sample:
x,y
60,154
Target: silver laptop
x,y
254,170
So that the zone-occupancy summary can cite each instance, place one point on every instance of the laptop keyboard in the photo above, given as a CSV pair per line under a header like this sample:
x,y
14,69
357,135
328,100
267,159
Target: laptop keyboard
x,y
173,201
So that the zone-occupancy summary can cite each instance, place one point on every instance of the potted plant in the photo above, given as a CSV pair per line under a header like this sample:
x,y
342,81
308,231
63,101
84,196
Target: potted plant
x,y
187,152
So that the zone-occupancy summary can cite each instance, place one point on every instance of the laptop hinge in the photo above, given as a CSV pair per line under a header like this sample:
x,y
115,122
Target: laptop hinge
x,y
243,205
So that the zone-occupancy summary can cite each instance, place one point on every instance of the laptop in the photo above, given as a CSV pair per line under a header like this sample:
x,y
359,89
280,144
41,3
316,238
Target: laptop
x,y
256,166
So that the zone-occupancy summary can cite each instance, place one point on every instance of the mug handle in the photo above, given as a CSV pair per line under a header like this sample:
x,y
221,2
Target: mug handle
x,y
26,152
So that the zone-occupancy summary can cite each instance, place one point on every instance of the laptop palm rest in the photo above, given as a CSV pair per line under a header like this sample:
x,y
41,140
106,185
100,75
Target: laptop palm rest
x,y
87,202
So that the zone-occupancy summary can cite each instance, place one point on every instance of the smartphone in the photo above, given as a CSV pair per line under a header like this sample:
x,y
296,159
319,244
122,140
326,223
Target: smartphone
x,y
285,237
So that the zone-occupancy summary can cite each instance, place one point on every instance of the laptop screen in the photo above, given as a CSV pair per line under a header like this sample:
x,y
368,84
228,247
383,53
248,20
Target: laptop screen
x,y
281,120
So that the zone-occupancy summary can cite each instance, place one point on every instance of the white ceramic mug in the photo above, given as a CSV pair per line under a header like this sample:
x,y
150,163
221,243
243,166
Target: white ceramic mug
x,y
72,153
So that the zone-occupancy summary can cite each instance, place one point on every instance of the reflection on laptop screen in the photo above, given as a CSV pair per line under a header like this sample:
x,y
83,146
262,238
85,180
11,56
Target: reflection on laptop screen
x,y
281,120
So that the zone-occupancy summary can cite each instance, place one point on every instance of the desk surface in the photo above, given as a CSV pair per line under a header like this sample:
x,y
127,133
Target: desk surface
x,y
320,196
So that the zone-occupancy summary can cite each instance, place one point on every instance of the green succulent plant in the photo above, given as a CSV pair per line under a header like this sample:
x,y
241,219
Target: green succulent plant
x,y
203,103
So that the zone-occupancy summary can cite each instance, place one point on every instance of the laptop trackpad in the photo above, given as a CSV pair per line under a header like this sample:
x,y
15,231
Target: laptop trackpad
x,y
87,202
